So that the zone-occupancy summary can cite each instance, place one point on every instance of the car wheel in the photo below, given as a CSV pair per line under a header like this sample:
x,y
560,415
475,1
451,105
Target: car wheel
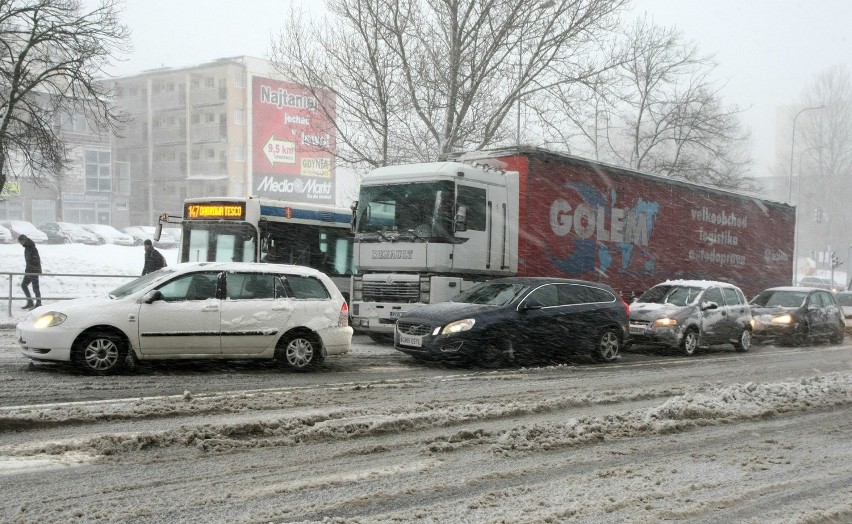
x,y
498,352
689,344
744,342
66,240
837,336
607,346
101,353
800,335
300,351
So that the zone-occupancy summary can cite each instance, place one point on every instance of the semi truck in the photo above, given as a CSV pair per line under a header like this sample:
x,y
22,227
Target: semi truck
x,y
425,232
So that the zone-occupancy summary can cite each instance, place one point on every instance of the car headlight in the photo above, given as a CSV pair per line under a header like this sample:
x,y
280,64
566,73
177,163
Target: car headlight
x,y
49,319
664,322
784,319
458,326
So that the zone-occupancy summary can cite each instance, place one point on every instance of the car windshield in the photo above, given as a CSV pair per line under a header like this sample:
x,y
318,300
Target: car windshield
x,y
676,295
135,285
780,299
490,293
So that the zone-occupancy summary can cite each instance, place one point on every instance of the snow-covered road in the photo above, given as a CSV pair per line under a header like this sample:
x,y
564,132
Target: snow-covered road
x,y
376,437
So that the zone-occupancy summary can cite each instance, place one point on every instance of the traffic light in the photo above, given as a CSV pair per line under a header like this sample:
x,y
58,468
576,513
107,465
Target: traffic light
x,y
834,260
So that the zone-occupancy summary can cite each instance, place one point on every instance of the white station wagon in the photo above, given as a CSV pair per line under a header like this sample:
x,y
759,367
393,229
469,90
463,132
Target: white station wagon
x,y
203,310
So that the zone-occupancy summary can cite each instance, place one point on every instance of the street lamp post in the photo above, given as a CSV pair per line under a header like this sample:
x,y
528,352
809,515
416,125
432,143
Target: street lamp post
x,y
792,150
790,195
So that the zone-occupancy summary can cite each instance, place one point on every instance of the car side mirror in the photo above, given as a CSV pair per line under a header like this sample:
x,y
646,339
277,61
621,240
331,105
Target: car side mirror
x,y
709,305
152,296
531,304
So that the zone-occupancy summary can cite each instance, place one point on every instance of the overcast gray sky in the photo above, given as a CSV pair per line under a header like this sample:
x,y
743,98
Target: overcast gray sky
x,y
768,50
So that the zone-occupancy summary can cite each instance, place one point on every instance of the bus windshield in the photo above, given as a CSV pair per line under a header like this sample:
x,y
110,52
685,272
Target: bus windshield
x,y
219,242
417,211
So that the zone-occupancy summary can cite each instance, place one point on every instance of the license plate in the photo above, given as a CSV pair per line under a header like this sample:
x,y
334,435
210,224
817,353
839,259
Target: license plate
x,y
637,330
396,314
410,340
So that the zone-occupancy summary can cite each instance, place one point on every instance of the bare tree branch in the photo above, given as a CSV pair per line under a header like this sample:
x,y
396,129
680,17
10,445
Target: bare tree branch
x,y
52,64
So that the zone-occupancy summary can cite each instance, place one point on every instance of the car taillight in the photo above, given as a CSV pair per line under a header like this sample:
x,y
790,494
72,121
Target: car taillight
x,y
344,315
626,305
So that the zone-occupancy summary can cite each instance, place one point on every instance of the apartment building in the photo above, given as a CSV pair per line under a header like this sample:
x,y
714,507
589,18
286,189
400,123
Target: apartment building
x,y
89,190
188,135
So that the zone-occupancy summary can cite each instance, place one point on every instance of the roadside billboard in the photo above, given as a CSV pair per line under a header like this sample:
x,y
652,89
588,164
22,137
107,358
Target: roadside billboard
x,y
291,142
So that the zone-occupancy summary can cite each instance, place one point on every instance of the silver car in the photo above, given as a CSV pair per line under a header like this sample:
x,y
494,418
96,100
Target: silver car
x,y
687,314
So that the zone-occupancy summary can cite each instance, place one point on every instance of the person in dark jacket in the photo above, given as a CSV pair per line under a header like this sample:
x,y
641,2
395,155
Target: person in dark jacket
x,y
33,269
154,260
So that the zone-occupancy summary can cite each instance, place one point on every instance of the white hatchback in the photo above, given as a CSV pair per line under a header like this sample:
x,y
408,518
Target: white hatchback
x,y
202,310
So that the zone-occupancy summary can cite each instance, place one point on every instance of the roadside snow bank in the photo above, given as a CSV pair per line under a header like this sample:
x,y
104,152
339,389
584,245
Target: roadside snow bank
x,y
715,406
225,427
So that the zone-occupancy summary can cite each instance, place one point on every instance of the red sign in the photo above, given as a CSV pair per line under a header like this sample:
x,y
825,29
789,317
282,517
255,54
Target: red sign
x,y
292,135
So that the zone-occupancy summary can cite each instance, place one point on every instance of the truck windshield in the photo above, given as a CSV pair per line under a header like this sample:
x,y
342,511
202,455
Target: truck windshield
x,y
419,211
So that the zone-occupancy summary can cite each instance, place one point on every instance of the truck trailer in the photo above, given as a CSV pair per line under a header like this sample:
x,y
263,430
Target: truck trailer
x,y
425,232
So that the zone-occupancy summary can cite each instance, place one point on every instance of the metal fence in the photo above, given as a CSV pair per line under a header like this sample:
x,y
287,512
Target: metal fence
x,y
61,286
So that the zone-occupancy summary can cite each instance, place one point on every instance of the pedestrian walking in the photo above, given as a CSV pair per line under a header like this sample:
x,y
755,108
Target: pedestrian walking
x,y
154,260
33,269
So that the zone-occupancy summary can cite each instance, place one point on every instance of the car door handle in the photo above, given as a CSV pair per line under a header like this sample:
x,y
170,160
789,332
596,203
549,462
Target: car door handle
x,y
210,308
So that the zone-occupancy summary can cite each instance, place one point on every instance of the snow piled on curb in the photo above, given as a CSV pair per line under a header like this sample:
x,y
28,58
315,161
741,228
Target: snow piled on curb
x,y
716,406
247,427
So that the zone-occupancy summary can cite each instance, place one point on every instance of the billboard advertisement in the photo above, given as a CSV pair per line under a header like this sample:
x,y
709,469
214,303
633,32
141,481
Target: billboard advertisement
x,y
291,142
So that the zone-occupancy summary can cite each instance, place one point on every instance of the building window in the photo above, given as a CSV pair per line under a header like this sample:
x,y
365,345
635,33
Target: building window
x,y
239,81
239,154
239,117
98,171
43,211
74,123
122,178
11,210
209,82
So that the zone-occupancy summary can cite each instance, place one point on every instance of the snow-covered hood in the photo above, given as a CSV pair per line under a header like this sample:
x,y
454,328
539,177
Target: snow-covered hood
x,y
444,312
76,305
771,311
651,311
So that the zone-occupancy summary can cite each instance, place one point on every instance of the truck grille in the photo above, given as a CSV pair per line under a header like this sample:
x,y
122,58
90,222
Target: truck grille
x,y
413,328
403,292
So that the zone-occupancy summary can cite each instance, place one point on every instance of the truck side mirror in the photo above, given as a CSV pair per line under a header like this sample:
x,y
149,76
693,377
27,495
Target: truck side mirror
x,y
354,208
460,222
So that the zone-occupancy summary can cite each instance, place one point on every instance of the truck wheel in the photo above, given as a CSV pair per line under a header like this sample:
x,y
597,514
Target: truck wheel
x,y
100,353
608,344
689,344
381,338
743,344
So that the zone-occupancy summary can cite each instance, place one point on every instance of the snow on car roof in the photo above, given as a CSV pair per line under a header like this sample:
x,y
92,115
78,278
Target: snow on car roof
x,y
261,267
703,284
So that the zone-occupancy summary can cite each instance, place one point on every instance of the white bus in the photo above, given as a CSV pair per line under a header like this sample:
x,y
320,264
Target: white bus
x,y
255,229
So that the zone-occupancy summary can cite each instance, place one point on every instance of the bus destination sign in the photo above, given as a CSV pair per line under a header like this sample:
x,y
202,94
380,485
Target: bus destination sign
x,y
216,210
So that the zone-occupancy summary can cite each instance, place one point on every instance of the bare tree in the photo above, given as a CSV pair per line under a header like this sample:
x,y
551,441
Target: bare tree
x,y
657,112
418,80
52,54
824,163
